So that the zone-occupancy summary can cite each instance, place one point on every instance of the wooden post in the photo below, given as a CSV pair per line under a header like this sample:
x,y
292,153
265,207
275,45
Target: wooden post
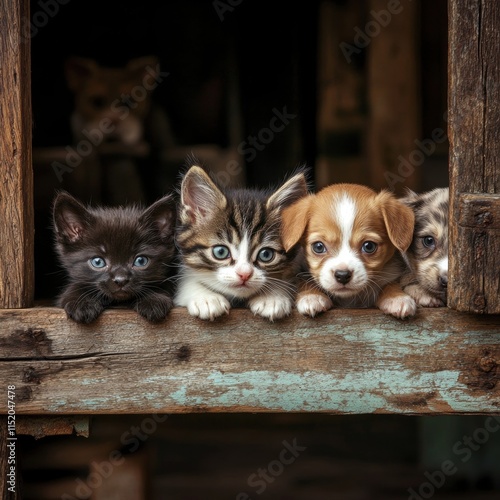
x,y
16,177
474,132
16,182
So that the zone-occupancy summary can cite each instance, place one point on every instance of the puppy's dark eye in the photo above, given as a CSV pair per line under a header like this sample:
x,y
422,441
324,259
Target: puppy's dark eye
x,y
429,242
318,247
369,247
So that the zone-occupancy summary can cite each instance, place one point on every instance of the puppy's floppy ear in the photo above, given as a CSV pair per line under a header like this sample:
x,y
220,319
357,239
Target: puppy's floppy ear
x,y
399,220
294,221
71,218
200,197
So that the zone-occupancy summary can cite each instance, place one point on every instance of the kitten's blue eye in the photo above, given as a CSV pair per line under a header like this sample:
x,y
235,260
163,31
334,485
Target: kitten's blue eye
x,y
141,261
266,255
97,262
221,252
429,241
369,247
318,247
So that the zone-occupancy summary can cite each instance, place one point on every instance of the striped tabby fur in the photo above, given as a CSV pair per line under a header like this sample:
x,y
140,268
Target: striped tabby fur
x,y
231,248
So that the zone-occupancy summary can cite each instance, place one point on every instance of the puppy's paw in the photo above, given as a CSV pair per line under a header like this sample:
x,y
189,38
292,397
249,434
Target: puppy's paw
x,y
422,297
208,306
154,307
313,304
427,300
271,307
400,306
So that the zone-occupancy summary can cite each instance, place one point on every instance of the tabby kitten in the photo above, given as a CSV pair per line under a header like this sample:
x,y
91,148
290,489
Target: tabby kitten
x,y
115,255
231,248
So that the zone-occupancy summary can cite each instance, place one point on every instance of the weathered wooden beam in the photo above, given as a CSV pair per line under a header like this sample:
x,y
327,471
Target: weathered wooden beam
x,y
474,133
16,177
345,362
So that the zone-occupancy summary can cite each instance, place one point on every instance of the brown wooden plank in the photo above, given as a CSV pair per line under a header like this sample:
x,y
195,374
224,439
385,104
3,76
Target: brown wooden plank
x,y
16,178
345,362
474,132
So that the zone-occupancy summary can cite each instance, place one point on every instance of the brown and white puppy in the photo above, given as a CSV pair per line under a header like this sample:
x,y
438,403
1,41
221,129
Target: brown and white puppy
x,y
427,256
351,238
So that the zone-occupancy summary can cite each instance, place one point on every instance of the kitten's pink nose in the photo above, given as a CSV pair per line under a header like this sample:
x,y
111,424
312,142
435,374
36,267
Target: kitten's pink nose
x,y
245,274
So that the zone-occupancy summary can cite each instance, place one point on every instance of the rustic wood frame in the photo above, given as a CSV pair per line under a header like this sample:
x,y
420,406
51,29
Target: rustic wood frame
x,y
347,361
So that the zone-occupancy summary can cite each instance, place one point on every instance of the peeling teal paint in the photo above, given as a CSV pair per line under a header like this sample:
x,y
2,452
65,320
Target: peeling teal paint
x,y
312,391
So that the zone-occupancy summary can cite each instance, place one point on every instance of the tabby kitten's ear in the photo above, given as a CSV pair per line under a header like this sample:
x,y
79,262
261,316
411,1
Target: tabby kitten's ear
x,y
161,216
71,218
291,191
200,197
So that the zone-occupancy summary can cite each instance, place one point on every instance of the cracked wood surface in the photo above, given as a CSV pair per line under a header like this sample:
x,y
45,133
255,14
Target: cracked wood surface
x,y
345,361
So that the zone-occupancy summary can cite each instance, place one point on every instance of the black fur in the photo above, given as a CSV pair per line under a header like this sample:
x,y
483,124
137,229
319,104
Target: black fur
x,y
118,236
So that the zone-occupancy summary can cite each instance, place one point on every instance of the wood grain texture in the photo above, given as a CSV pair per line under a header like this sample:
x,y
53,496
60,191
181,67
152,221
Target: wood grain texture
x,y
474,132
16,178
345,362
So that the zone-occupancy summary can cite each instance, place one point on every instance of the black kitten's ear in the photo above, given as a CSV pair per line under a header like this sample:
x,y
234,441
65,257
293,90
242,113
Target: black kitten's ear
x,y
71,218
200,197
161,214
292,190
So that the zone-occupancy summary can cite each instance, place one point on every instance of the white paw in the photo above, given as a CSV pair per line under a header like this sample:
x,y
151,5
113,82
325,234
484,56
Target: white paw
x,y
208,306
271,307
402,306
313,304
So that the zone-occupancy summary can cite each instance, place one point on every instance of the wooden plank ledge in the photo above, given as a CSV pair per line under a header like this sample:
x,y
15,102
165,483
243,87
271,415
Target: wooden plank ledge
x,y
344,362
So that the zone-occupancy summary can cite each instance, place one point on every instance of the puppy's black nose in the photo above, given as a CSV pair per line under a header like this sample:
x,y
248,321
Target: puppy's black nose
x,y
443,281
343,276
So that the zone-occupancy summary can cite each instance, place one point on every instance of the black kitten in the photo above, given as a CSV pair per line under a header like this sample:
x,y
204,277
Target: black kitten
x,y
113,255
